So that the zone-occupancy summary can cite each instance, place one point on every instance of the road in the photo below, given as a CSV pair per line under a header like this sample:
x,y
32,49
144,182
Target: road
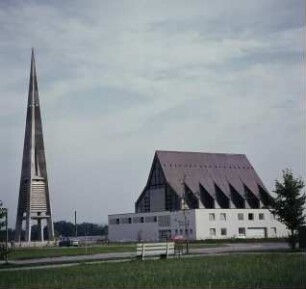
x,y
240,247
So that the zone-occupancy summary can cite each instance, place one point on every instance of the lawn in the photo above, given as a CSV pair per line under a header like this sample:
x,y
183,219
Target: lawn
x,y
33,253
275,270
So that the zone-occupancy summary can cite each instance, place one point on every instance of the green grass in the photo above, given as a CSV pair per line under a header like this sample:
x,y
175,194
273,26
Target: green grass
x,y
230,271
45,252
33,253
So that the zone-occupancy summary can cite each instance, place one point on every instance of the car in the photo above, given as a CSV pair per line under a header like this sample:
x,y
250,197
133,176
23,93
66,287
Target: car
x,y
177,238
74,242
67,242
64,243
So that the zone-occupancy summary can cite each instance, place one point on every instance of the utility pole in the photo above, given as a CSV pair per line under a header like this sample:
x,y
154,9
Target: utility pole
x,y
185,217
86,238
75,224
6,227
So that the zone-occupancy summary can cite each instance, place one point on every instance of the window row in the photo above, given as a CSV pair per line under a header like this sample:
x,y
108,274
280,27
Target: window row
x,y
251,216
241,231
130,220
183,232
213,232
223,217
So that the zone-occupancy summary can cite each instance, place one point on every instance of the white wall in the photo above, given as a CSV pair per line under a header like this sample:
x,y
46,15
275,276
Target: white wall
x,y
231,224
197,224
132,232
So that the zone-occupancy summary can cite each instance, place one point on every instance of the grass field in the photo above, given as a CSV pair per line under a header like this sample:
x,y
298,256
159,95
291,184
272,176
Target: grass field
x,y
34,253
275,270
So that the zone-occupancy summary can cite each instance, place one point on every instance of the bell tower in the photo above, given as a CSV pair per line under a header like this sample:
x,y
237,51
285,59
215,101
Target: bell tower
x,y
34,201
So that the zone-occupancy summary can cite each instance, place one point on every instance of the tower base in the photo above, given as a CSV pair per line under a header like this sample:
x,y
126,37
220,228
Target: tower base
x,y
29,221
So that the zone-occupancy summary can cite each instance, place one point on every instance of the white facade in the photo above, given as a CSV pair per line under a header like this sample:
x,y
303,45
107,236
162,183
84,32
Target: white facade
x,y
199,224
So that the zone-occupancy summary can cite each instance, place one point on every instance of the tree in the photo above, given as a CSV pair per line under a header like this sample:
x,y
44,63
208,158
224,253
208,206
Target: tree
x,y
67,229
288,206
2,224
2,216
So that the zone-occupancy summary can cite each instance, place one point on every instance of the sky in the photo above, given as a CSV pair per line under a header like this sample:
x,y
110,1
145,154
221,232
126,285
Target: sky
x,y
121,79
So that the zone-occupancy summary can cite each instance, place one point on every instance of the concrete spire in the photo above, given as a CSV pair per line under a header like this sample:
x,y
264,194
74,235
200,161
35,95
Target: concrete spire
x,y
34,200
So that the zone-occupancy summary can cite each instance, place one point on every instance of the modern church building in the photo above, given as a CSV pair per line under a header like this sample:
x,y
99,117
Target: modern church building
x,y
198,196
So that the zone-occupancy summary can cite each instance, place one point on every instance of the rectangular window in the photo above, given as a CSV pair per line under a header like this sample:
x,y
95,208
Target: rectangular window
x,y
137,219
241,231
212,217
212,232
274,231
150,219
125,220
251,216
175,231
113,221
181,231
164,221
190,231
164,235
261,216
240,216
223,232
222,217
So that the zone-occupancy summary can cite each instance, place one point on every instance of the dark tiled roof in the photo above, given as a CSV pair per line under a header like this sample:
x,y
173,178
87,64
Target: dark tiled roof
x,y
207,169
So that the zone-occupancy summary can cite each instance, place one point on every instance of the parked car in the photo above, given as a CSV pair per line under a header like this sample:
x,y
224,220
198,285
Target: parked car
x,y
67,242
74,242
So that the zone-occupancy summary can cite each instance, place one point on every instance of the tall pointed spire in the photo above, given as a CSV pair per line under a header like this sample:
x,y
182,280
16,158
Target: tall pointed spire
x,y
34,200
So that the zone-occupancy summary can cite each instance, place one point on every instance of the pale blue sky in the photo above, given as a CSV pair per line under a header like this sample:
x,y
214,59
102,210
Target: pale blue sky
x,y
121,79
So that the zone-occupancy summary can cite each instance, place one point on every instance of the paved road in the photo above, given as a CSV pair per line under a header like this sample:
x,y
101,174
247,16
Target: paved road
x,y
240,247
224,248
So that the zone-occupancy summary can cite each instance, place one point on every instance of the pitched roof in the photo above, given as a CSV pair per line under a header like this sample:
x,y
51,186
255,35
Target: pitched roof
x,y
209,169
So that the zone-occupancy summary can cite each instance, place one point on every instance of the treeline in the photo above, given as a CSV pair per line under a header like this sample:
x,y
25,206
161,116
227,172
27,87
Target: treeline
x,y
67,229
61,229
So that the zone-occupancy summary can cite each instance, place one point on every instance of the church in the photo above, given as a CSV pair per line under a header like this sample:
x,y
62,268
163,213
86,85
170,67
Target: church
x,y
198,196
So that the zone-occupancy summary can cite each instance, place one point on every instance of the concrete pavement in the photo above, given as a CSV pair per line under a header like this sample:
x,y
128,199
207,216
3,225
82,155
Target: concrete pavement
x,y
241,247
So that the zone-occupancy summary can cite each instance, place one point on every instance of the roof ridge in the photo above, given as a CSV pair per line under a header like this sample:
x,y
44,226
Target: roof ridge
x,y
193,152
